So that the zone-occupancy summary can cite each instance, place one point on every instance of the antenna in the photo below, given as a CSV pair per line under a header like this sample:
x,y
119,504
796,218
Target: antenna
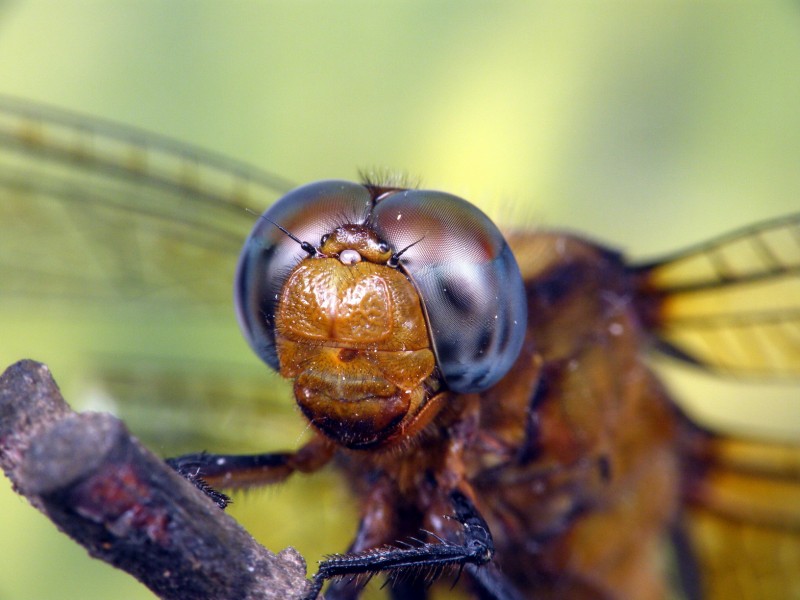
x,y
307,247
394,260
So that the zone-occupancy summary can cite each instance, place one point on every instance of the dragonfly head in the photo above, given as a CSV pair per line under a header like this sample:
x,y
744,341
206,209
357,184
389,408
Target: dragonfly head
x,y
407,292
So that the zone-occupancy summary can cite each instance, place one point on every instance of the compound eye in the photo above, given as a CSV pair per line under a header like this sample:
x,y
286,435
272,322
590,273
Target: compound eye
x,y
468,281
467,278
309,213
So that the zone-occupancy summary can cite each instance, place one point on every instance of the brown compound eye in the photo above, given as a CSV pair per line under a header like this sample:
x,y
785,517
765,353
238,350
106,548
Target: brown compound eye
x,y
461,266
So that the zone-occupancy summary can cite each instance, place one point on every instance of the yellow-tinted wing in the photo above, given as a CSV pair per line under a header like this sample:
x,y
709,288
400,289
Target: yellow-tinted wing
x,y
731,304
743,519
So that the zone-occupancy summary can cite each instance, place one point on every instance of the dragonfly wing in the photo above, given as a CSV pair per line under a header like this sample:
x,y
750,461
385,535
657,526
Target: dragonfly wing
x,y
93,210
110,237
743,519
731,304
183,405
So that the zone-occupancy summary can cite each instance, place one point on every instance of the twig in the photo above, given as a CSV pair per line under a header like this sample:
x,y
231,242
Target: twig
x,y
124,505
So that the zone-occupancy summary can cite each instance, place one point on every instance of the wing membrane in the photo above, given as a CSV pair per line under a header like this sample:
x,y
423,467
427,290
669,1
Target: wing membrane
x,y
120,234
217,405
744,519
732,304
93,210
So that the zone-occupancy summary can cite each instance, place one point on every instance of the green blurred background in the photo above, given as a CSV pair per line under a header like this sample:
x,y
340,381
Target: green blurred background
x,y
648,125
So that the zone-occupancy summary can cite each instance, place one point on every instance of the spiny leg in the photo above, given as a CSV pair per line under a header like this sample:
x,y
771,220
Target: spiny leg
x,y
211,472
476,549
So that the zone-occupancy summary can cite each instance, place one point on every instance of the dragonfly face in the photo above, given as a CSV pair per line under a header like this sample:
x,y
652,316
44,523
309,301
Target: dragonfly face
x,y
357,322
460,372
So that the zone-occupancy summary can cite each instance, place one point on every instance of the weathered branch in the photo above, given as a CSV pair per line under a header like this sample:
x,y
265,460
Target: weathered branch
x,y
124,505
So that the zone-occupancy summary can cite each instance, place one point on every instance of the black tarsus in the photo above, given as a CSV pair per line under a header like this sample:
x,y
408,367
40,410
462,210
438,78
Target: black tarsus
x,y
476,550
411,567
490,584
198,467
190,467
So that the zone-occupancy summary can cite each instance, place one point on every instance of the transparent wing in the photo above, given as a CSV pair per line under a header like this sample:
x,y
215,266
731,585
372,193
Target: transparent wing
x,y
743,519
119,248
183,405
117,251
94,210
731,304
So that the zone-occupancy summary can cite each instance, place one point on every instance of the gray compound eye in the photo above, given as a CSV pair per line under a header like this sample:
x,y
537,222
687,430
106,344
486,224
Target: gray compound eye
x,y
466,276
468,279
310,213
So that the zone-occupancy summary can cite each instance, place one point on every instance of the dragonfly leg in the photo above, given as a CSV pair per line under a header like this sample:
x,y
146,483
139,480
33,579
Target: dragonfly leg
x,y
489,583
210,472
477,548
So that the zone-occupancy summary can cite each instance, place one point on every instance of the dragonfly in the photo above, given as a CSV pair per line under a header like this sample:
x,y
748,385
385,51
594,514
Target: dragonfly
x,y
485,394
